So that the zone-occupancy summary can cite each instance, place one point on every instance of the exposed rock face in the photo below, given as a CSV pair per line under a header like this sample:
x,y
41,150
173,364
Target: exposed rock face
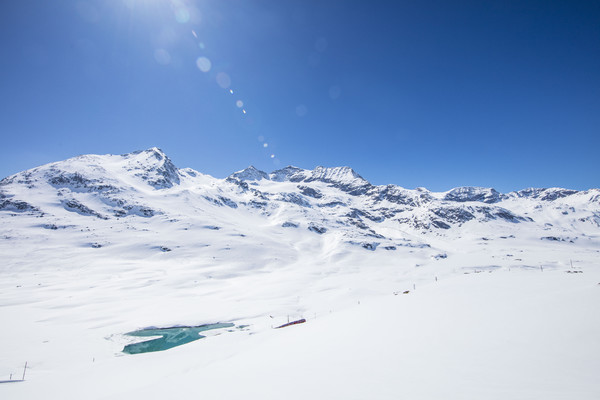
x,y
317,229
154,167
545,194
308,191
291,174
463,194
16,205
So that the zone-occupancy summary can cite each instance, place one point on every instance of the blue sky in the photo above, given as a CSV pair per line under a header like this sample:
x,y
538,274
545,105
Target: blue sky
x,y
440,94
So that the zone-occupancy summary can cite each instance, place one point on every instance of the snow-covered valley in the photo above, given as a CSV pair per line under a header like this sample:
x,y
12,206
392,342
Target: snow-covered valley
x,y
465,294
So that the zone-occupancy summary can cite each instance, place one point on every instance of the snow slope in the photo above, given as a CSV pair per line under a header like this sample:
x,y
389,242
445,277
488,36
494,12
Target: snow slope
x,y
502,288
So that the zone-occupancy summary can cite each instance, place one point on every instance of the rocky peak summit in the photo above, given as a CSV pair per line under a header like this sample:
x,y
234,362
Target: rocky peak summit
x,y
249,174
289,173
153,166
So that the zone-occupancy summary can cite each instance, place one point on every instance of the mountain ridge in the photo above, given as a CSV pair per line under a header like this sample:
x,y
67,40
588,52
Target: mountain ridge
x,y
166,168
326,201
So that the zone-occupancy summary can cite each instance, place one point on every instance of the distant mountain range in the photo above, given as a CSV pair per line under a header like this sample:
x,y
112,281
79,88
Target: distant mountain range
x,y
336,202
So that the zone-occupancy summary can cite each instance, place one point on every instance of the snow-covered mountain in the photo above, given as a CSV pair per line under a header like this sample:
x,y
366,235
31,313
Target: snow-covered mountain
x,y
99,245
145,184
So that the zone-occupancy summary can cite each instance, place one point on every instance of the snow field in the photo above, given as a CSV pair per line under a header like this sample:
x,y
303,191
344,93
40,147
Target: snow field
x,y
522,333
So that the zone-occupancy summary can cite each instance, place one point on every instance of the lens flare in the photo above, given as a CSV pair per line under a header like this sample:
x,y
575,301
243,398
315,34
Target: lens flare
x,y
223,80
182,15
203,64
187,14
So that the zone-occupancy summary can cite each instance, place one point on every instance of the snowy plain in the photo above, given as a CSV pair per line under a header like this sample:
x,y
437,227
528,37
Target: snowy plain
x,y
97,246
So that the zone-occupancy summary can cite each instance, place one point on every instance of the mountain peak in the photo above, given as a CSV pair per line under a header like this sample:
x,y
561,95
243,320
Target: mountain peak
x,y
546,194
250,174
344,175
151,152
289,173
154,167
344,178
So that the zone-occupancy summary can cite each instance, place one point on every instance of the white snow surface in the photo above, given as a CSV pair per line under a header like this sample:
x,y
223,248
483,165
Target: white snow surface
x,y
502,289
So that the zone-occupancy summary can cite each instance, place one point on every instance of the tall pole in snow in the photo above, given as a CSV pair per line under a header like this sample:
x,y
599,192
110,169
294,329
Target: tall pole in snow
x,y
24,369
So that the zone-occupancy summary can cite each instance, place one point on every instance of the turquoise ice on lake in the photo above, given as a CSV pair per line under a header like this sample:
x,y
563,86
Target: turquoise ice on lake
x,y
169,337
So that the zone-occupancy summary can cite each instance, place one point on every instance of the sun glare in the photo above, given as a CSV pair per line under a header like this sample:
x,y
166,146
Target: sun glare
x,y
179,18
